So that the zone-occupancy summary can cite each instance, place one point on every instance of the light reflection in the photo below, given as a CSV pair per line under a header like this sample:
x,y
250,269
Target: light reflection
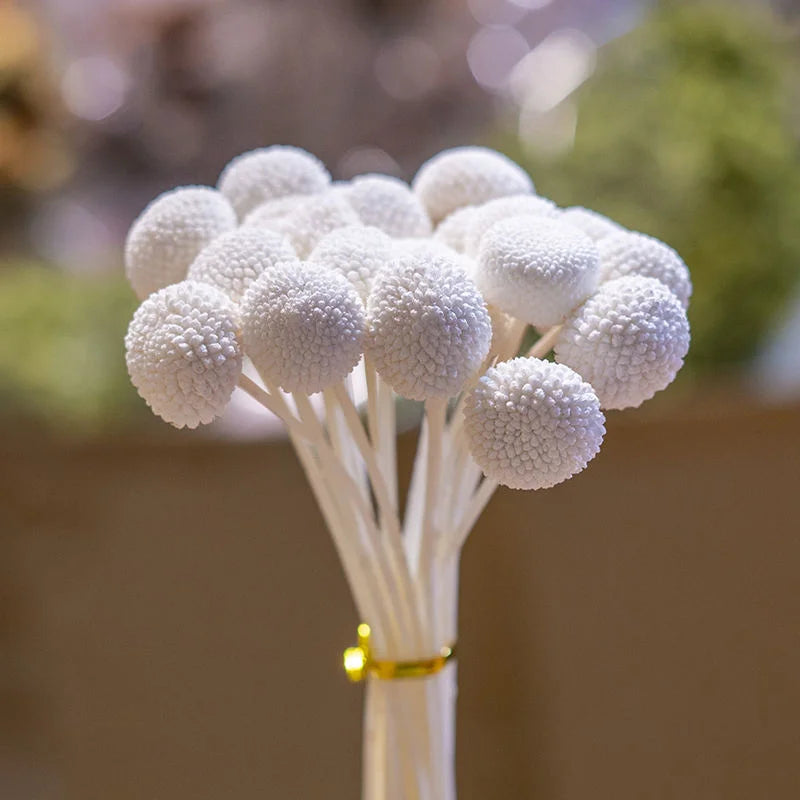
x,y
548,134
493,53
553,70
93,88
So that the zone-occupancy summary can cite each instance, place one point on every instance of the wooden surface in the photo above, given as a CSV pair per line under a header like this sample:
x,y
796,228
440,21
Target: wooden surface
x,y
172,614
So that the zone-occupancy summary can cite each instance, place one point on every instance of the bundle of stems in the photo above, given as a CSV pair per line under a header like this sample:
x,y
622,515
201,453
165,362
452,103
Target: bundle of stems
x,y
401,560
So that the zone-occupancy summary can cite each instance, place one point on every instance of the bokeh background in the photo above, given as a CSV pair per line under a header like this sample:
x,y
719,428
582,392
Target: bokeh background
x,y
171,611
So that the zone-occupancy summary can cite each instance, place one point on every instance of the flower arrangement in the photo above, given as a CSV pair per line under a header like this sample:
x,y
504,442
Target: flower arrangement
x,y
428,292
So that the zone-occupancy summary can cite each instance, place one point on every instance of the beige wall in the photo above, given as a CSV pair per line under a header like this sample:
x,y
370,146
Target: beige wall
x,y
171,618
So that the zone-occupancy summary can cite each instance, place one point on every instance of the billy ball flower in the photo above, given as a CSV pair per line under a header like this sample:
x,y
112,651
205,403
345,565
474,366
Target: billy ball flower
x,y
235,259
358,253
504,208
165,238
628,340
302,326
429,329
466,176
536,269
596,226
183,354
389,204
629,253
531,424
270,172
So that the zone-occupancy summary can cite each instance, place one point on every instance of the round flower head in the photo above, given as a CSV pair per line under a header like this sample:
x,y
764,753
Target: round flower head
x,y
388,204
269,172
628,253
266,213
503,208
302,327
235,259
467,176
312,220
628,340
536,269
182,352
358,253
531,424
429,329
594,225
165,238
453,229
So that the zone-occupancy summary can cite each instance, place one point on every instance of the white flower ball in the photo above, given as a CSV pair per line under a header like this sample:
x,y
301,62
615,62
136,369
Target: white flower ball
x,y
628,340
467,176
594,225
453,229
531,424
302,327
429,329
266,213
389,204
234,260
183,354
628,253
503,208
165,238
358,253
311,221
536,269
269,172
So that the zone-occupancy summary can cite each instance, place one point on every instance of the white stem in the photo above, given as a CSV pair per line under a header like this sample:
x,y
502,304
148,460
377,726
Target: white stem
x,y
477,503
390,524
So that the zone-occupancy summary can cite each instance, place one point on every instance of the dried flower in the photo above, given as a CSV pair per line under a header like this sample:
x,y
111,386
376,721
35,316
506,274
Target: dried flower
x,y
467,176
165,238
183,353
271,172
532,424
302,326
429,329
628,340
536,269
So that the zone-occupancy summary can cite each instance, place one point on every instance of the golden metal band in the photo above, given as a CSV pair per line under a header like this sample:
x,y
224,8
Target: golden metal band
x,y
359,663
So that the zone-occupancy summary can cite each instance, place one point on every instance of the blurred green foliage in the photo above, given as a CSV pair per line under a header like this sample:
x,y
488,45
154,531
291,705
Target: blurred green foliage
x,y
686,132
62,359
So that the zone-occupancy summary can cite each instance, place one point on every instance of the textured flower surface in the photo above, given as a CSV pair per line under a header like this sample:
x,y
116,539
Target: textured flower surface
x,y
505,208
389,204
306,226
183,354
429,329
536,269
165,238
358,253
265,213
628,340
532,424
453,229
235,259
628,253
467,176
594,225
302,326
271,172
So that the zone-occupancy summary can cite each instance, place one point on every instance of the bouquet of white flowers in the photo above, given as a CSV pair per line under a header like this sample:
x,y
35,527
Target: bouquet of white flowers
x,y
428,292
